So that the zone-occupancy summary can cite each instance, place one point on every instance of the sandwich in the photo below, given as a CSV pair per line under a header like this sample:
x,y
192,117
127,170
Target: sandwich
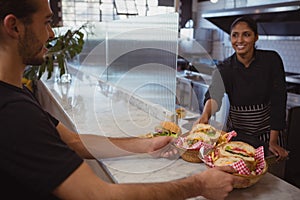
x,y
238,149
235,150
245,159
204,133
167,128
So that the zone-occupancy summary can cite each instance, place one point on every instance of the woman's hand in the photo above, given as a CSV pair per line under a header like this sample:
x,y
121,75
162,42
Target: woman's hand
x,y
280,152
210,107
202,119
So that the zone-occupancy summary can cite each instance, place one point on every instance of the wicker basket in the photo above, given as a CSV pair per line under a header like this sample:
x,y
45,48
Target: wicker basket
x,y
191,155
252,178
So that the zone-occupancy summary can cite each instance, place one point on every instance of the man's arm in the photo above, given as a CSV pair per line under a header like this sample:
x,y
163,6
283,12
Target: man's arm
x,y
90,146
213,183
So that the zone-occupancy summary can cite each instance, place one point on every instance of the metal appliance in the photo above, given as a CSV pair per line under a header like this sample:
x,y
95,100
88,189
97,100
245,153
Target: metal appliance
x,y
278,19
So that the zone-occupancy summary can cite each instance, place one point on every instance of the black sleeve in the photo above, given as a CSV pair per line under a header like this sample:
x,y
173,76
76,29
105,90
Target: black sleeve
x,y
31,149
32,95
216,89
278,94
53,119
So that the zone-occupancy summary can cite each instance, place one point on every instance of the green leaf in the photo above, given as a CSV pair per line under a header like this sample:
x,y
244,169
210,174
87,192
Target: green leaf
x,y
50,68
42,69
60,48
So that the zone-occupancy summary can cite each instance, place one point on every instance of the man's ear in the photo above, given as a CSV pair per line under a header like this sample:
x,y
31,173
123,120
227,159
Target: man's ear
x,y
10,25
256,37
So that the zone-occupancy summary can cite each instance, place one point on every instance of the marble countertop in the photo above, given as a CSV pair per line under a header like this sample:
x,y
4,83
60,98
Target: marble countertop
x,y
88,105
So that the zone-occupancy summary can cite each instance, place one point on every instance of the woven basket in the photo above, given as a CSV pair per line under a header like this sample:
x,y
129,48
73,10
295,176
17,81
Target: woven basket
x,y
252,178
191,155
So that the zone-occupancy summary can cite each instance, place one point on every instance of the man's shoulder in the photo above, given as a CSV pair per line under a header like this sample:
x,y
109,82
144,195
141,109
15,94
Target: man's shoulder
x,y
15,96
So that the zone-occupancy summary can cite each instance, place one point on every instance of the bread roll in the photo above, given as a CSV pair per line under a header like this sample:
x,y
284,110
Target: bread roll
x,y
205,133
224,161
167,128
171,126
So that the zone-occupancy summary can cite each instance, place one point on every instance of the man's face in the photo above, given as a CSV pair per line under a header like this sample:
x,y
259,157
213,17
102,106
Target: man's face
x,y
32,41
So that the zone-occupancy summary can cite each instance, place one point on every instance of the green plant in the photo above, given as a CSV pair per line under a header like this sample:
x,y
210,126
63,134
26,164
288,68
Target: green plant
x,y
61,48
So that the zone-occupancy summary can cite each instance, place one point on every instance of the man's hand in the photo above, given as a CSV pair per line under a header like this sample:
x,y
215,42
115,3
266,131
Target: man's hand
x,y
162,146
217,182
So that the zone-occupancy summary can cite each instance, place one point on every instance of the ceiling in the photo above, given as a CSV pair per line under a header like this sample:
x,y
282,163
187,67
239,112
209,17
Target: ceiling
x,y
281,19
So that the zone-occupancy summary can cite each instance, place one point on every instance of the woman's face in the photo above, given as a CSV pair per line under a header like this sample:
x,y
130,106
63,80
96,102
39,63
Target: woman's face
x,y
243,39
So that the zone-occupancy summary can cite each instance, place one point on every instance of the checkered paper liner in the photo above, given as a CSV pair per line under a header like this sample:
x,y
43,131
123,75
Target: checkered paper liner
x,y
182,140
205,152
241,167
206,155
230,135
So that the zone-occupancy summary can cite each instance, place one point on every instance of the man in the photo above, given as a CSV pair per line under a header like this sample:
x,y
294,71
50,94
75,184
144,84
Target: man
x,y
42,158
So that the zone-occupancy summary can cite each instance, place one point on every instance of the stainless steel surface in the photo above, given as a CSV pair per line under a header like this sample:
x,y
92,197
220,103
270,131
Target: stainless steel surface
x,y
281,19
293,100
293,79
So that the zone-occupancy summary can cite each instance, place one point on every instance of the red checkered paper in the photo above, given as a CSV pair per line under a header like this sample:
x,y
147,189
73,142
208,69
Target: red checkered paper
x,y
205,152
181,141
259,156
230,135
207,156
241,168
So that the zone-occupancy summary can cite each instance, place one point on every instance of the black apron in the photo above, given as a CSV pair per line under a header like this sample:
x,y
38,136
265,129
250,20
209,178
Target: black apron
x,y
252,124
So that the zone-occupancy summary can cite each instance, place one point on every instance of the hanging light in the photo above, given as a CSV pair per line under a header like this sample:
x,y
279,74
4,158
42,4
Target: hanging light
x,y
214,1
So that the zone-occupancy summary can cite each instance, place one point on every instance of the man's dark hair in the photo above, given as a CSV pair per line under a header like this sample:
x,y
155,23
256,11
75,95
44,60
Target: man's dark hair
x,y
248,20
22,9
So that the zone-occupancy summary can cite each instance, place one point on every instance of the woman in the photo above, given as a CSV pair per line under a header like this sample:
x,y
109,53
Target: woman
x,y
254,81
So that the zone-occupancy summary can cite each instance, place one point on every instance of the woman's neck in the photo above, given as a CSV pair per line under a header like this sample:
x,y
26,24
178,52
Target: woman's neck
x,y
246,59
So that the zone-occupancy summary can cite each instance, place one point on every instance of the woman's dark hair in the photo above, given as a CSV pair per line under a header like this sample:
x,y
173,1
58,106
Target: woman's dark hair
x,y
21,9
248,20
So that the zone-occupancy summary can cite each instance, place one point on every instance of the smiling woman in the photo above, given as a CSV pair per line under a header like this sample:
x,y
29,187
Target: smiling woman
x,y
254,81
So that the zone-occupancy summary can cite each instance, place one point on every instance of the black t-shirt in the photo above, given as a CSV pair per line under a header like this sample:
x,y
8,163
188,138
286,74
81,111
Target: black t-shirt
x,y
34,159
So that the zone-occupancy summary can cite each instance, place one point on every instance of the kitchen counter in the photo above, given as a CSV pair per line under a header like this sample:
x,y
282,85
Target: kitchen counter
x,y
88,105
